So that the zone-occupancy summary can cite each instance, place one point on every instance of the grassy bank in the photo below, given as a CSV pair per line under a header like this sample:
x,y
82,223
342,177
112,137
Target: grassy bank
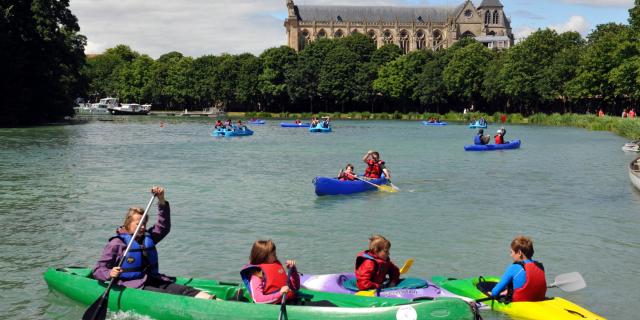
x,y
628,128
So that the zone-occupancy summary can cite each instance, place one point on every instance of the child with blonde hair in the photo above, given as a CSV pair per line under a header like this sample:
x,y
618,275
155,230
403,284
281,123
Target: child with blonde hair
x,y
373,266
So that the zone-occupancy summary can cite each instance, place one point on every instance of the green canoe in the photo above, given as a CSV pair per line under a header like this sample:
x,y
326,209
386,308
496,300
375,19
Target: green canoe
x,y
76,284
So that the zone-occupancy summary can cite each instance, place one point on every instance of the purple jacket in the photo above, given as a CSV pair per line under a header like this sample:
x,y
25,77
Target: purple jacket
x,y
114,250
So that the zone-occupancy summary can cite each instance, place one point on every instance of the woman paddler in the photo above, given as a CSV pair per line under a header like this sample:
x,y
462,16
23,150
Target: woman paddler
x,y
140,267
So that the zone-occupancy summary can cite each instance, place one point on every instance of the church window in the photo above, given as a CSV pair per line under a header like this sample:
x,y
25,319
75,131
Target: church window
x,y
487,17
491,33
372,35
437,38
321,34
354,31
306,38
496,17
338,34
421,41
468,13
468,34
387,37
404,41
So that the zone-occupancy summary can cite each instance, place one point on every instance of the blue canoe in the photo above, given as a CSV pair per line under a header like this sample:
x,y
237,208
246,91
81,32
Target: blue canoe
x,y
333,186
320,128
477,125
257,122
515,144
294,125
427,123
236,132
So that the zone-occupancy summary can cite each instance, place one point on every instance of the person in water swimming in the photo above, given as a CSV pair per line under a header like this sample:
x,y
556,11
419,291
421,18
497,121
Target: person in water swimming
x,y
524,280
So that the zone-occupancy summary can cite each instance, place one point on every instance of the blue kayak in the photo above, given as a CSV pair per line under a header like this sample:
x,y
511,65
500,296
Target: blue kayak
x,y
257,122
294,125
235,132
427,123
320,128
515,144
333,186
477,125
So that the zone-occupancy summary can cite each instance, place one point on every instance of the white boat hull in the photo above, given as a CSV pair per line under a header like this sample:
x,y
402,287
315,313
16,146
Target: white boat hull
x,y
634,172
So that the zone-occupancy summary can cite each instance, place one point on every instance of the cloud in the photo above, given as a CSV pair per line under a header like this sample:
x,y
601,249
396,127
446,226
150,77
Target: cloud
x,y
528,15
575,23
602,3
523,32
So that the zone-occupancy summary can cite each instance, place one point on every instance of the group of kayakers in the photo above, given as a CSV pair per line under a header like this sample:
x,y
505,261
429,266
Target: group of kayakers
x,y
483,139
374,170
433,120
264,275
228,124
325,122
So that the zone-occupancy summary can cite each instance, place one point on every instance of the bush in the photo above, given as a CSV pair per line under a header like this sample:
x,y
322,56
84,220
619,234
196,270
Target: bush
x,y
365,115
261,115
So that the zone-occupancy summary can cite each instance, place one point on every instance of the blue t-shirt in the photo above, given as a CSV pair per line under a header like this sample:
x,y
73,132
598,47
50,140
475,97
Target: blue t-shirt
x,y
514,274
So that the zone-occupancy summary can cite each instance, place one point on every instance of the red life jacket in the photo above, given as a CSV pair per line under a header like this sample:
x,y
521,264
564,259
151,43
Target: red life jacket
x,y
499,139
273,275
374,169
535,287
381,266
346,176
632,114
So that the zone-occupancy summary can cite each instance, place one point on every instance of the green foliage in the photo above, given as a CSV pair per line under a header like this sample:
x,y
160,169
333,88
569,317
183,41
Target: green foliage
x,y
386,53
464,74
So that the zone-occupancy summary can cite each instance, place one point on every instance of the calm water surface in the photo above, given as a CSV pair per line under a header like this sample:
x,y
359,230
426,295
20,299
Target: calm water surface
x,y
64,190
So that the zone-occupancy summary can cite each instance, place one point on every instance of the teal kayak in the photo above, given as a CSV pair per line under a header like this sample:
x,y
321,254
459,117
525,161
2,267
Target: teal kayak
x,y
76,284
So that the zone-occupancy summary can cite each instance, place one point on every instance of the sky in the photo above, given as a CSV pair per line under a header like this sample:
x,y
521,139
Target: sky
x,y
201,27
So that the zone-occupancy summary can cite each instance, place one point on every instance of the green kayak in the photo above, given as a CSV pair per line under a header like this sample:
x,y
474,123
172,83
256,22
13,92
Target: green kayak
x,y
77,284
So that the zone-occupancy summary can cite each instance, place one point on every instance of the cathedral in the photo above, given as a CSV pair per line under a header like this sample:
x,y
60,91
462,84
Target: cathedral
x,y
410,28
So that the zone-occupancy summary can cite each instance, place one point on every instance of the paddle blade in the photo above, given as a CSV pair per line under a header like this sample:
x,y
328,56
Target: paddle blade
x,y
386,188
569,282
98,310
366,293
406,266
394,186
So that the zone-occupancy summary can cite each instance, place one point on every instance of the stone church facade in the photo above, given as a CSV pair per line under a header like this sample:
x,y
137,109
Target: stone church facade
x,y
410,28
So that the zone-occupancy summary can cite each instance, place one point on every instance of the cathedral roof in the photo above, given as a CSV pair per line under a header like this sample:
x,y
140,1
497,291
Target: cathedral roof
x,y
376,13
490,3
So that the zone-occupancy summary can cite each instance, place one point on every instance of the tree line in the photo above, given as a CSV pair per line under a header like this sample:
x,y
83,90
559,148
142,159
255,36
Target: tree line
x,y
546,72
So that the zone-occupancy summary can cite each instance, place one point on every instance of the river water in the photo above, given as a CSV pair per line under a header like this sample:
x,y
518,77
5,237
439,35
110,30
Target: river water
x,y
64,190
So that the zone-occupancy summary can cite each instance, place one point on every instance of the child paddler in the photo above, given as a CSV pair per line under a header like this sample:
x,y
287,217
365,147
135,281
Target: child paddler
x,y
373,266
140,267
264,276
524,280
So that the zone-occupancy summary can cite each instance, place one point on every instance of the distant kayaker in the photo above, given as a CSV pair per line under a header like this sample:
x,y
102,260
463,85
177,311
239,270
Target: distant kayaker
x,y
325,122
499,137
241,125
314,122
298,122
524,280
264,276
140,267
219,124
227,123
347,174
481,138
374,265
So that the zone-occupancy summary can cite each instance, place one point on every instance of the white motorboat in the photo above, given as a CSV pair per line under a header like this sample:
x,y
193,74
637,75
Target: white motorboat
x,y
631,147
100,108
130,109
634,172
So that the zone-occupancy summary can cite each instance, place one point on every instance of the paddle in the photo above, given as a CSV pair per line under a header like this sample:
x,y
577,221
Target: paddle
x,y
568,282
404,269
384,188
98,310
283,303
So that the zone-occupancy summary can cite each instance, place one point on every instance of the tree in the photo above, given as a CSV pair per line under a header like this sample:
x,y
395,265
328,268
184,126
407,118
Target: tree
x,y
398,79
359,44
41,58
386,53
634,19
271,80
337,76
133,82
464,74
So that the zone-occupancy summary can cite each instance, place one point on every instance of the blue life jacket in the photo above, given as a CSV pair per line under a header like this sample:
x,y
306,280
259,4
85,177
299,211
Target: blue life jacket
x,y
139,261
476,140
